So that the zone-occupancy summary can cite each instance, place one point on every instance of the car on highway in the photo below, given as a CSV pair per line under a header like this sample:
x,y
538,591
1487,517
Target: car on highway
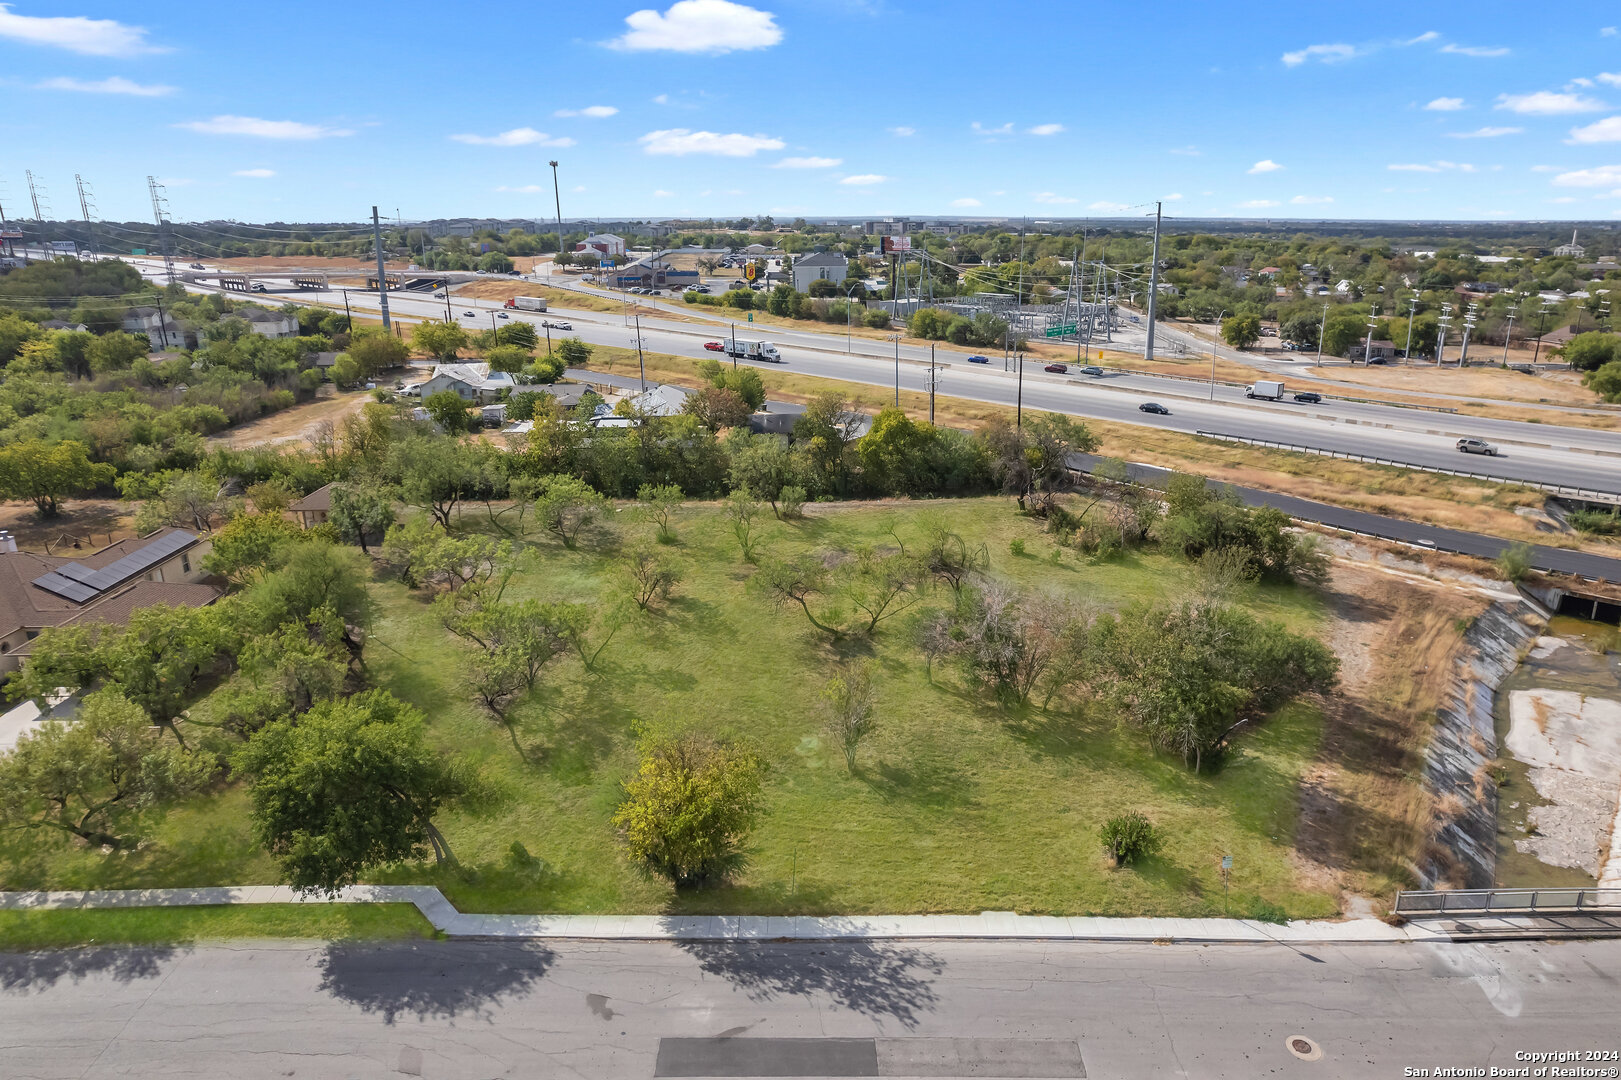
x,y
469,314
1092,370
198,266
1376,361
501,315
979,359
1476,446
714,346
1308,397
1154,407
556,326
1057,369
256,287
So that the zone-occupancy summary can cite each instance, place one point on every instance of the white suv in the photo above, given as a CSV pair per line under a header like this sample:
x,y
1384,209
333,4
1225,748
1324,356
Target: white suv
x,y
1476,446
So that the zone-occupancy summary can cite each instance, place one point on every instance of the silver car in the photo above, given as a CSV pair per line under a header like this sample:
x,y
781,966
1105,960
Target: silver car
x,y
1476,446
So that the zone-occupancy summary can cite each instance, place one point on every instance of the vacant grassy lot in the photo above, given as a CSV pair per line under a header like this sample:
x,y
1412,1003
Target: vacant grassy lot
x,y
180,926
957,805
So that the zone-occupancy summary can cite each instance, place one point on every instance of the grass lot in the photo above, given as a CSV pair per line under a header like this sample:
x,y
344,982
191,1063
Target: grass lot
x,y
182,926
957,805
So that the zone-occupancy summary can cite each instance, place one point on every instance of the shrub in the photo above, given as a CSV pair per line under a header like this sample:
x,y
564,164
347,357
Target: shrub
x,y
1129,837
1017,547
1515,562
689,807
791,500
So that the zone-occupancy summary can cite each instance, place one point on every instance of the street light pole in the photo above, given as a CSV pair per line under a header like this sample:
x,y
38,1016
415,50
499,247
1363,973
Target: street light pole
x,y
1321,330
1412,312
1507,335
557,202
897,340
1213,356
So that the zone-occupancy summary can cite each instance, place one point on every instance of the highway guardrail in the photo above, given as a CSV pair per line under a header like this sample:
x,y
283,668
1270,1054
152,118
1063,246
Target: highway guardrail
x,y
1416,902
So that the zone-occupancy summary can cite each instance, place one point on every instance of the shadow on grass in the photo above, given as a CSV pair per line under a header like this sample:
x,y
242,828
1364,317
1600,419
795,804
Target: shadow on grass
x,y
878,980
33,972
932,784
443,980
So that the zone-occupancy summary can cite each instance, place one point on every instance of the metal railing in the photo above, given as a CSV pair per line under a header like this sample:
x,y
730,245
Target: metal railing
x,y
1326,396
1587,494
1509,902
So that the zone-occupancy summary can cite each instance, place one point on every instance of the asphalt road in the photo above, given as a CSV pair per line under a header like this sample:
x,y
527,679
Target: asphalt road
x,y
1545,453
1432,537
633,1010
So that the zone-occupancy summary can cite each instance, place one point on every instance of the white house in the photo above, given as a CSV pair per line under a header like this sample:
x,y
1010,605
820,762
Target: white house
x,y
162,331
1572,249
660,400
601,244
472,382
822,266
270,324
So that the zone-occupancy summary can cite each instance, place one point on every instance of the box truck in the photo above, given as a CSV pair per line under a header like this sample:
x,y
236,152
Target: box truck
x,y
1266,388
751,350
527,303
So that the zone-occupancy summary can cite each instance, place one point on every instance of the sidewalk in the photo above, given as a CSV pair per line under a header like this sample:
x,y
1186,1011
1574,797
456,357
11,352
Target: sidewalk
x,y
988,925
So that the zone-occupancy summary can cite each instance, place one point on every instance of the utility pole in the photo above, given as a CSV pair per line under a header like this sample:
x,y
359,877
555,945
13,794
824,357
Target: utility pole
x,y
33,193
1153,286
382,281
897,339
348,318
931,384
640,360
1018,401
1542,327
162,220
1441,341
1507,335
84,203
1468,325
1321,330
557,203
1373,324
1213,356
1412,313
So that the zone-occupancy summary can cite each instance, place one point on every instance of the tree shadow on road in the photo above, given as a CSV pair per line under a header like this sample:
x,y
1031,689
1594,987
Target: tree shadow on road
x,y
429,979
33,972
875,979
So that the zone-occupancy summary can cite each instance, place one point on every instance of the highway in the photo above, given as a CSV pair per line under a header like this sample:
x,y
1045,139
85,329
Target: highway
x,y
1545,453
625,1011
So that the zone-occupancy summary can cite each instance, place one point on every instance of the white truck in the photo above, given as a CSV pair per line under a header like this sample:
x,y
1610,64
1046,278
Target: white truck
x,y
1270,389
751,350
527,303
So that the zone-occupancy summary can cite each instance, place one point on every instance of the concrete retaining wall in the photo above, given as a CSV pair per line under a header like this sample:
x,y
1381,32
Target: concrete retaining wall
x,y
1464,743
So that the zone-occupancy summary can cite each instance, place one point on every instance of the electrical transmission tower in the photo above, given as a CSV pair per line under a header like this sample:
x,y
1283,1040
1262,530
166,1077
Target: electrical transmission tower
x,y
86,199
160,215
34,196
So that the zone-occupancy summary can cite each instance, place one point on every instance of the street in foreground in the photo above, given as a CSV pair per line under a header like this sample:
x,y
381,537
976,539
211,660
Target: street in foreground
x,y
626,1010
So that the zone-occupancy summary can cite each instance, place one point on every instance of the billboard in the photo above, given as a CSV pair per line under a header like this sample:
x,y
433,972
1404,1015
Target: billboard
x,y
895,244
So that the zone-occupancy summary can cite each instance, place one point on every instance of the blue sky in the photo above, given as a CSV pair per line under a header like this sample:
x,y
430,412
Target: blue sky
x,y
304,111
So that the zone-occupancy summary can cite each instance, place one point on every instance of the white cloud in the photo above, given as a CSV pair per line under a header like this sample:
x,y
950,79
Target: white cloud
x,y
1476,50
91,37
1045,129
1606,130
1611,77
526,189
1547,103
981,129
1598,176
1445,104
864,179
902,132
261,129
1432,167
595,112
808,163
577,188
114,85
1608,31
1311,200
662,194
1257,204
1185,151
1107,207
524,136
1545,168
1585,83
1428,35
1328,54
965,204
678,142
1564,199
1173,197
255,174
662,99
1485,133
1052,199
700,26
1413,168
1266,166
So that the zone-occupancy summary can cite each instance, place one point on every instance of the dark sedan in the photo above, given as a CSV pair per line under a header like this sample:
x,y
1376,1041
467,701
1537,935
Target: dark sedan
x,y
979,359
1057,369
1154,407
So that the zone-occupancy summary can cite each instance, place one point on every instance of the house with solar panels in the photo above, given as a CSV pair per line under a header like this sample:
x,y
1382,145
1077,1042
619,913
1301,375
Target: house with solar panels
x,y
106,586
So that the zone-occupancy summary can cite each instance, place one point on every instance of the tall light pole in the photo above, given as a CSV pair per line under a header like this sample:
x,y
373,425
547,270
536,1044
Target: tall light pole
x,y
1412,313
1507,335
1468,325
1373,324
1441,341
1213,356
1321,330
382,282
1153,287
557,203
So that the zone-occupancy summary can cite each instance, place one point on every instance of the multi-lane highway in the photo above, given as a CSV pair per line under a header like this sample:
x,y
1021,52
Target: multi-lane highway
x,y
635,1010
1543,453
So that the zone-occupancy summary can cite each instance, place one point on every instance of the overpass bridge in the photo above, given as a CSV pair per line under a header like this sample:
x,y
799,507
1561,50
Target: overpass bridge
x,y
321,280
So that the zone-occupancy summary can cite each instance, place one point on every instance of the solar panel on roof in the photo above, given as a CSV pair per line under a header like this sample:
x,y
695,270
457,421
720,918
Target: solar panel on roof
x,y
76,571
66,588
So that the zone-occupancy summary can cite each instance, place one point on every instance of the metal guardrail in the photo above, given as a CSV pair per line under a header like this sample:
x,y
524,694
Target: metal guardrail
x,y
1587,494
1508,902
1326,396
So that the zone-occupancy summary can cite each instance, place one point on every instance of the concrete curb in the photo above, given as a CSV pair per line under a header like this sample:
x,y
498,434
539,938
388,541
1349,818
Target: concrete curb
x,y
988,925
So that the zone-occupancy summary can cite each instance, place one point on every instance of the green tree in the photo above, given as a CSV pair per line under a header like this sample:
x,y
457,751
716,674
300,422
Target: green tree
x,y
659,503
1342,332
1605,381
349,787
509,358
567,506
117,351
99,778
847,709
245,546
1592,350
573,352
650,575
440,340
360,512
762,465
449,410
1129,837
716,408
376,351
689,808
15,332
434,473
43,473
521,334
1241,331
345,370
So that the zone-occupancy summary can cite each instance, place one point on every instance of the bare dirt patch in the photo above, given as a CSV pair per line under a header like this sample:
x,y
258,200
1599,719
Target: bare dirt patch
x,y
91,523
295,424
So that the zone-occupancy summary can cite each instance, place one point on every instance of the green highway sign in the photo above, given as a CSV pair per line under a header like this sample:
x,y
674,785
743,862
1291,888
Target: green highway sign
x,y
1060,331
